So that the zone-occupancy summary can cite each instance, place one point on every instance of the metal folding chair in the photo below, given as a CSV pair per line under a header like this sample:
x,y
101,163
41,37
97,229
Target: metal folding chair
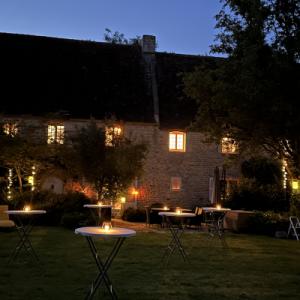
x,y
294,228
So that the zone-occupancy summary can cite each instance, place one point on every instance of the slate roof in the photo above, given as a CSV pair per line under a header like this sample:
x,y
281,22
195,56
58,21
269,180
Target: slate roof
x,y
83,79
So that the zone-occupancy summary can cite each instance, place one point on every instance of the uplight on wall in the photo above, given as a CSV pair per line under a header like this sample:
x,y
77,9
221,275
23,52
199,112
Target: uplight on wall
x,y
295,185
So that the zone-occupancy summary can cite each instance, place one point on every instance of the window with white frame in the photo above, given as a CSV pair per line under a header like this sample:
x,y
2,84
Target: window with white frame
x,y
10,128
112,133
229,146
176,184
55,134
177,141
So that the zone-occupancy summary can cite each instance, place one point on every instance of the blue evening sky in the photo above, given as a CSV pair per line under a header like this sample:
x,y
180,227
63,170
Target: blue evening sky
x,y
181,26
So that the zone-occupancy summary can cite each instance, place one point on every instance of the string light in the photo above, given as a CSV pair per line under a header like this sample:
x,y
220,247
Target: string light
x,y
33,172
10,183
284,173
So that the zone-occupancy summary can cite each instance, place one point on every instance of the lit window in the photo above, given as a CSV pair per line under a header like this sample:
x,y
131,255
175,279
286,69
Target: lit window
x,y
56,134
177,141
10,129
112,133
175,184
229,146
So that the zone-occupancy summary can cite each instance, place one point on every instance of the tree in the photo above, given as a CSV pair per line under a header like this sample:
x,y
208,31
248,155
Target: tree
x,y
23,151
110,169
119,38
252,94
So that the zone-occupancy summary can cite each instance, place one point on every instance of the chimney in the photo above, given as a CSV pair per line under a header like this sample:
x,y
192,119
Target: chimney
x,y
148,43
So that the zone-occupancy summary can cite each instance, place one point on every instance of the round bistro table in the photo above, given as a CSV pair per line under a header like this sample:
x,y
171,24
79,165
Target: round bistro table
x,y
120,234
176,234
24,232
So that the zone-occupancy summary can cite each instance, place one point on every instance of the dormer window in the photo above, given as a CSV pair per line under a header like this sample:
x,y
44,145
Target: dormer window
x,y
55,134
229,146
177,141
10,129
111,134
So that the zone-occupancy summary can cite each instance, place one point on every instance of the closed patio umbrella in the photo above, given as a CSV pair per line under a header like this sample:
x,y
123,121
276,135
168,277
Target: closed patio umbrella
x,y
216,193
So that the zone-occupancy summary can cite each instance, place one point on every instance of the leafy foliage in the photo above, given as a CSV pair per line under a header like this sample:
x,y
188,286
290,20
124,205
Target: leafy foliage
x,y
251,95
263,170
22,151
119,38
110,169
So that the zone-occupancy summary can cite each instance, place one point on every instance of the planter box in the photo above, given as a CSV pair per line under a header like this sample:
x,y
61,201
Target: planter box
x,y
237,220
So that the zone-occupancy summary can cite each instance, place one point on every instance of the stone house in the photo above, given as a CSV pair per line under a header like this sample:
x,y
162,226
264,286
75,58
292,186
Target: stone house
x,y
61,84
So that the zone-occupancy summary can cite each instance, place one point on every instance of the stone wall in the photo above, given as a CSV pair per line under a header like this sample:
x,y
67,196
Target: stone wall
x,y
195,167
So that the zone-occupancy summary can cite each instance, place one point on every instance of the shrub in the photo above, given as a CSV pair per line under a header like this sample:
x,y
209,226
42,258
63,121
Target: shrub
x,y
263,198
56,205
134,215
267,223
73,220
295,205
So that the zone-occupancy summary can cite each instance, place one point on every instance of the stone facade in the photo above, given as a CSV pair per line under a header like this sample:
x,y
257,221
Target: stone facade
x,y
195,167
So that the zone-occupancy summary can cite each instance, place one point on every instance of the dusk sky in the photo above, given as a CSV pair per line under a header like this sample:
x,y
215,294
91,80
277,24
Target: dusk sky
x,y
180,26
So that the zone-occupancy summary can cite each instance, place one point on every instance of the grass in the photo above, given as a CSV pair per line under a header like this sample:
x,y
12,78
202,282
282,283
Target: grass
x,y
253,267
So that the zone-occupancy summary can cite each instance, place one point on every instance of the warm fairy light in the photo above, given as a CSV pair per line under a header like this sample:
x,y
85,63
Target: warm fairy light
x,y
218,206
10,184
26,208
135,192
284,173
295,185
178,211
123,200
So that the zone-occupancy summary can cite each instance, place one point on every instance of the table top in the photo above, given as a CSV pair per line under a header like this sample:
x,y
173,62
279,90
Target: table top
x,y
174,214
25,212
160,208
97,205
213,209
100,232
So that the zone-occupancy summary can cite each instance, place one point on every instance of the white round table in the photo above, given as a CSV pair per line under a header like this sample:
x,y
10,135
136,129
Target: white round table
x,y
176,233
24,231
120,234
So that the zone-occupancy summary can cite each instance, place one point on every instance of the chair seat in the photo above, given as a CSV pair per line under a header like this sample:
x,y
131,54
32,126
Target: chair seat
x,y
7,224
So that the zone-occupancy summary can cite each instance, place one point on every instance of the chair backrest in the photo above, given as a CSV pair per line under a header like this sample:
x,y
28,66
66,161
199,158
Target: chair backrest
x,y
3,214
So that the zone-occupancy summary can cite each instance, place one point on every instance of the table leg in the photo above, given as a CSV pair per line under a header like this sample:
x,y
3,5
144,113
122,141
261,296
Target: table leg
x,y
175,243
103,268
24,242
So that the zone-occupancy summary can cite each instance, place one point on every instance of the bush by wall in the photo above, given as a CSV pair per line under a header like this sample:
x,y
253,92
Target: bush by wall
x,y
268,223
62,209
134,215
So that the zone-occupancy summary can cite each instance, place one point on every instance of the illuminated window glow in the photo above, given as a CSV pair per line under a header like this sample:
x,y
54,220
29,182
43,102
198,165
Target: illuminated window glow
x,y
112,133
175,184
10,129
56,134
177,141
229,146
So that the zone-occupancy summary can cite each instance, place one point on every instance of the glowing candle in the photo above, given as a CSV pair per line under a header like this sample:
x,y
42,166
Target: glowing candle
x,y
106,226
165,208
178,211
218,206
27,208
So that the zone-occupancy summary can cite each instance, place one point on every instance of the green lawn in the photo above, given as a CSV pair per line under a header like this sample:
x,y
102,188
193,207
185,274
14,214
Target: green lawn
x,y
254,267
